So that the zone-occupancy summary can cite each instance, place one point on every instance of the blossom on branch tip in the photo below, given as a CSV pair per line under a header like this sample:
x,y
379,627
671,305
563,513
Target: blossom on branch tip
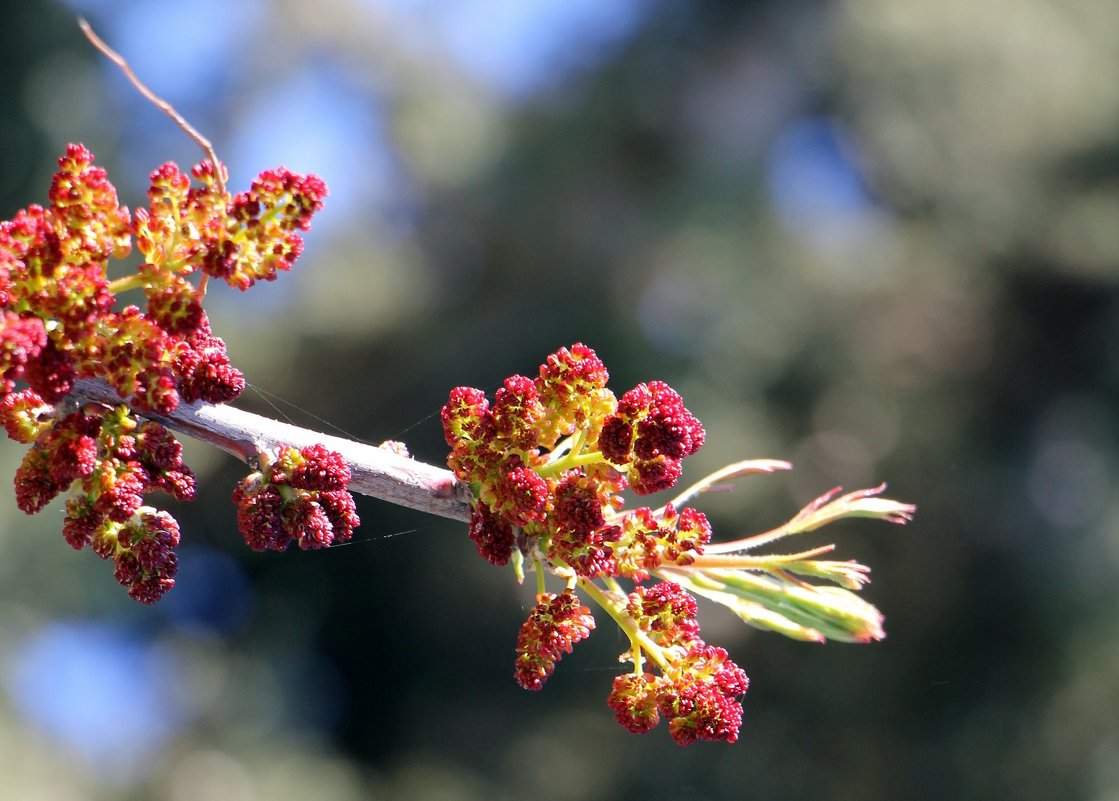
x,y
651,539
136,360
305,522
341,511
578,504
522,495
34,486
571,373
176,230
119,487
656,474
174,306
81,523
319,468
161,455
258,516
699,710
51,373
589,554
571,384
651,431
517,412
666,612
651,421
145,556
72,447
111,461
547,464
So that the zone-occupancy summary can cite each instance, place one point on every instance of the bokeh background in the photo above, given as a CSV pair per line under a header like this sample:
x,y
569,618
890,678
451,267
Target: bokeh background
x,y
879,239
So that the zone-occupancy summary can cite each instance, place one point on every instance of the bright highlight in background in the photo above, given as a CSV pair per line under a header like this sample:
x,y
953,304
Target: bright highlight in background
x,y
103,694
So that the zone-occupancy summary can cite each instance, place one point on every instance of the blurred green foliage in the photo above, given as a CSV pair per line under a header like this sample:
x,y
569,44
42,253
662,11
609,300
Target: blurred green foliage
x,y
878,239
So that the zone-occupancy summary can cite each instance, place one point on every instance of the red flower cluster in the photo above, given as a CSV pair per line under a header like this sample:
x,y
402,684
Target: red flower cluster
x,y
542,478
300,496
109,460
553,627
59,321
699,687
547,461
144,554
241,240
661,537
651,431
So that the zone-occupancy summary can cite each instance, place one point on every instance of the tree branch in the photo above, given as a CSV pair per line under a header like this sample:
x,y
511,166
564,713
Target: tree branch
x,y
376,472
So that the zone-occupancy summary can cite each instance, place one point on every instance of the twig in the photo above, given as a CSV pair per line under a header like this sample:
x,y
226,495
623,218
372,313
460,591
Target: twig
x,y
377,472
155,99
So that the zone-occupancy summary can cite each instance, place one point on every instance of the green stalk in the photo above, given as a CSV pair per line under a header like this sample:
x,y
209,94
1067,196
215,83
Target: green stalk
x,y
638,640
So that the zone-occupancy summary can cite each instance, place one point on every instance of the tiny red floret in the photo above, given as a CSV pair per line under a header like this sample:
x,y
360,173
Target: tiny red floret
x,y
258,516
517,412
522,496
492,536
651,429
145,556
320,469
553,627
634,700
203,368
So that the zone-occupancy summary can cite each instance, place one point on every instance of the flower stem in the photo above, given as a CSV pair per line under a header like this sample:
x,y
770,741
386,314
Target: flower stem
x,y
125,283
638,640
572,459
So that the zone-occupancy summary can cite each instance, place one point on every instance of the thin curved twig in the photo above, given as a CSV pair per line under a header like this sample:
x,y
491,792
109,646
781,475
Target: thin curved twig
x,y
154,99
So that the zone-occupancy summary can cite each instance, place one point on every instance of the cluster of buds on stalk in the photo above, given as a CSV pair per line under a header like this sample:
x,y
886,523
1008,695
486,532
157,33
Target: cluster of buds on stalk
x,y
548,461
60,321
298,495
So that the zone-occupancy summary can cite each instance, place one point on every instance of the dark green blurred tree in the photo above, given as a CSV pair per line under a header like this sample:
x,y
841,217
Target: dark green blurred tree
x,y
946,322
